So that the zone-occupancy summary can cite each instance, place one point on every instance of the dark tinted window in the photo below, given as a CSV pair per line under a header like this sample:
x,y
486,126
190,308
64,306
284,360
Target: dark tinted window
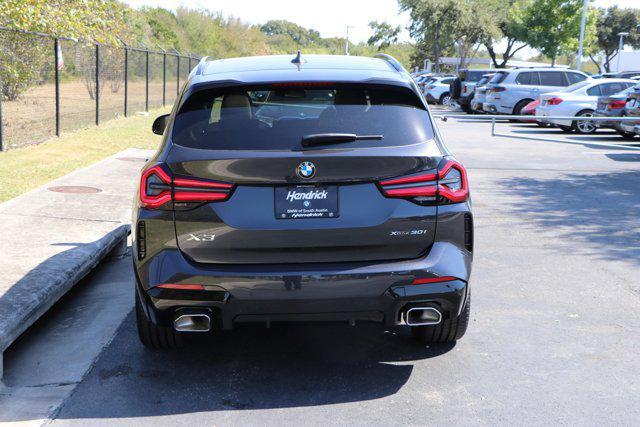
x,y
276,118
611,88
527,78
447,81
472,75
552,78
575,78
498,77
595,91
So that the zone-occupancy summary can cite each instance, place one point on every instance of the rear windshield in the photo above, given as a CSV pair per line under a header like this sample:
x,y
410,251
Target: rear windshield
x,y
472,75
576,86
276,117
498,77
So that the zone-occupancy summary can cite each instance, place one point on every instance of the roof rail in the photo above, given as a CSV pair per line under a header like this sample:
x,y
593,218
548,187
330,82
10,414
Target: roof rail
x,y
200,66
391,60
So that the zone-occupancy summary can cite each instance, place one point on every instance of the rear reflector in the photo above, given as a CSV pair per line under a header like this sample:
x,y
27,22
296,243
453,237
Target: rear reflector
x,y
424,280
181,286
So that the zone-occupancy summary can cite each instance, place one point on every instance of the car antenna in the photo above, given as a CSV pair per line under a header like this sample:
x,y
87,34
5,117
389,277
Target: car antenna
x,y
297,59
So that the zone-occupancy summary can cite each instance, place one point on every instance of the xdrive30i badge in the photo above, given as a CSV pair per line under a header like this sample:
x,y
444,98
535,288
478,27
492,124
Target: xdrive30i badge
x,y
306,170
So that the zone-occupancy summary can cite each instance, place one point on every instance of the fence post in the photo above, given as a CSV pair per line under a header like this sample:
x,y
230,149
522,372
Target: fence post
x,y
146,87
164,78
97,84
56,48
189,63
178,76
126,80
1,141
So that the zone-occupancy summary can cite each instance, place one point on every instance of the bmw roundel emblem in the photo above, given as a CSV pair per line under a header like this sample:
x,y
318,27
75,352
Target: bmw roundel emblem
x,y
306,170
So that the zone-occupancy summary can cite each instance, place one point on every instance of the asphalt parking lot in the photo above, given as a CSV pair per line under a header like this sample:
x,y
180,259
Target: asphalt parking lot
x,y
552,339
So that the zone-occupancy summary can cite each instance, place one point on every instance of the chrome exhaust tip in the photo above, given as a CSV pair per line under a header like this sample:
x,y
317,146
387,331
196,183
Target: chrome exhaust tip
x,y
422,316
192,323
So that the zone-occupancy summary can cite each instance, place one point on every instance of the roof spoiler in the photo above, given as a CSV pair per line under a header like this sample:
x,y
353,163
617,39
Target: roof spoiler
x,y
391,60
200,66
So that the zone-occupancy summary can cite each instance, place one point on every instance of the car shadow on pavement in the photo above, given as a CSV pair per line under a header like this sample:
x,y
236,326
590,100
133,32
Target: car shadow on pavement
x,y
624,157
285,366
596,213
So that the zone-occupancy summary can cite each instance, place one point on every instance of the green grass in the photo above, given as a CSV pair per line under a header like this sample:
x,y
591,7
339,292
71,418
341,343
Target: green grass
x,y
23,169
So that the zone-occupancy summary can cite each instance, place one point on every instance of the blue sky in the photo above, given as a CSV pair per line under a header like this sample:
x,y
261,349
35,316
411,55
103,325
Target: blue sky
x,y
330,17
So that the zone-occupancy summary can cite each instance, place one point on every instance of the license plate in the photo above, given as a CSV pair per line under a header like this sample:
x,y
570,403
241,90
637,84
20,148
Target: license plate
x,y
304,202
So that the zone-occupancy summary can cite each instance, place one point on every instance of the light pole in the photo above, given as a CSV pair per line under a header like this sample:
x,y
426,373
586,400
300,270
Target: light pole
x,y
620,48
346,43
582,25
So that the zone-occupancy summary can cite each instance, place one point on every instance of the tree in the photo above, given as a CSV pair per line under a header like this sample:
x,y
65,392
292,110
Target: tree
x,y
476,23
437,25
553,26
24,59
384,34
300,35
512,31
609,23
432,25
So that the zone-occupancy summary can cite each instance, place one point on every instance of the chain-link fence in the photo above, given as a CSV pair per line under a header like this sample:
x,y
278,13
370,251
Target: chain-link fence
x,y
52,84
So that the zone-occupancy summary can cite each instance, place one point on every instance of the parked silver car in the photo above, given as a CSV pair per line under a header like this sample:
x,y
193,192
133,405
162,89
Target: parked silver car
x,y
480,93
509,91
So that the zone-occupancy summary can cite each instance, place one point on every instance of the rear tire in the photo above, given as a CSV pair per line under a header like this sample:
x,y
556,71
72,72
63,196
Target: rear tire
x,y
445,99
519,106
584,127
626,135
153,336
448,330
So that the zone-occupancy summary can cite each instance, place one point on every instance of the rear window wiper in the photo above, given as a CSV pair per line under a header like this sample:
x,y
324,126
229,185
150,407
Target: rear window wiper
x,y
334,138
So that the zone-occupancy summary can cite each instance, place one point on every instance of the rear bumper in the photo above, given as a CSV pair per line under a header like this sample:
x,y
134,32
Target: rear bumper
x,y
495,108
354,292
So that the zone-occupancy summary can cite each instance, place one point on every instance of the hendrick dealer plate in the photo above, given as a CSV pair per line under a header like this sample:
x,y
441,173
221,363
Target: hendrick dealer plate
x,y
303,202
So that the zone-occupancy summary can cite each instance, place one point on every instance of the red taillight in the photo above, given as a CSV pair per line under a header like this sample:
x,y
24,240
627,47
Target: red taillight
x,y
197,190
452,182
554,101
157,188
302,84
616,105
448,185
424,280
464,89
498,89
181,286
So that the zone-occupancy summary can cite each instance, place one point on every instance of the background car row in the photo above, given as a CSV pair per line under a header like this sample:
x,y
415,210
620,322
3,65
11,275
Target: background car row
x,y
546,92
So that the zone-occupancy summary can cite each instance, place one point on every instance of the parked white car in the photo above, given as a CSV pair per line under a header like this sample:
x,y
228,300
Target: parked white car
x,y
437,90
578,100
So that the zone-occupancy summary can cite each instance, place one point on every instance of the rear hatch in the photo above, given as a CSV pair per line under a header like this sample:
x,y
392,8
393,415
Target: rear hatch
x,y
293,204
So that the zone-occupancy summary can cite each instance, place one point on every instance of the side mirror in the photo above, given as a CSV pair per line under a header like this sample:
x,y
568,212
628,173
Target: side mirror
x,y
160,124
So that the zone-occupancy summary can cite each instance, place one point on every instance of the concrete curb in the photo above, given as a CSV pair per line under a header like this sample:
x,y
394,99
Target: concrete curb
x,y
50,290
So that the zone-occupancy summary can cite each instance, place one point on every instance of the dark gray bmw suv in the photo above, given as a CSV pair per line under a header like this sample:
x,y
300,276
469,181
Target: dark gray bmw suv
x,y
314,188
